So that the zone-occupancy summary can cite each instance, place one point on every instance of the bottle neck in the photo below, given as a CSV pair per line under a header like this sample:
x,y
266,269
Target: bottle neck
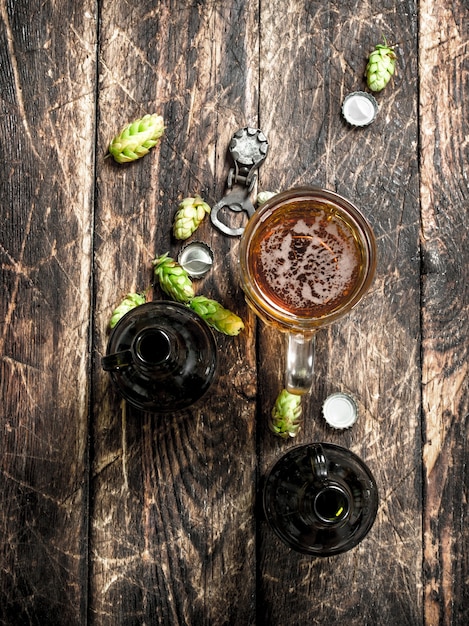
x,y
154,350
326,506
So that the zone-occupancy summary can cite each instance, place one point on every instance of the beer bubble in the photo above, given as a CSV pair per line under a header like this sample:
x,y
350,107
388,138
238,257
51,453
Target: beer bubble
x,y
308,265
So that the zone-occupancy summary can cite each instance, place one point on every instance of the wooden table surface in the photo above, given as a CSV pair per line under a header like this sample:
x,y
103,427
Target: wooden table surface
x,y
111,516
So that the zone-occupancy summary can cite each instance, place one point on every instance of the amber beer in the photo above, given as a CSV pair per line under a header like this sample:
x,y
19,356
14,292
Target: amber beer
x,y
307,261
307,258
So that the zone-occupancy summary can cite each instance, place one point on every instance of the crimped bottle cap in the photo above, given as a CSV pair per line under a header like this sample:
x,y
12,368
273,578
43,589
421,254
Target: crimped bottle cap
x,y
359,108
196,258
340,410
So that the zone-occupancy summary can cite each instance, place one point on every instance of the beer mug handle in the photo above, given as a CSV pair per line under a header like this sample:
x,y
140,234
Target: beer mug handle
x,y
300,362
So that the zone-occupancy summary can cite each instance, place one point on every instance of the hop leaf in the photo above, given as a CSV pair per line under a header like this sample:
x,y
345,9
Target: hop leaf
x,y
216,316
131,301
380,67
173,279
136,139
191,212
286,415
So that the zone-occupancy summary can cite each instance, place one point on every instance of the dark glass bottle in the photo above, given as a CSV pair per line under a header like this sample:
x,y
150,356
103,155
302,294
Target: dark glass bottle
x,y
161,357
320,499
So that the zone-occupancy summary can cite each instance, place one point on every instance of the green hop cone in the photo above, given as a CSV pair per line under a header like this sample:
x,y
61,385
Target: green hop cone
x,y
380,67
263,196
173,279
136,139
131,301
286,415
216,316
191,212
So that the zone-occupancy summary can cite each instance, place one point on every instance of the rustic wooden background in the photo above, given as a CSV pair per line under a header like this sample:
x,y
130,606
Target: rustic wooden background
x,y
113,517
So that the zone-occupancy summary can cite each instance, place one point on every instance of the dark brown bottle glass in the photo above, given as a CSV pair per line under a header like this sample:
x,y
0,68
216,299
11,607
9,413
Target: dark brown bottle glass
x,y
320,499
161,356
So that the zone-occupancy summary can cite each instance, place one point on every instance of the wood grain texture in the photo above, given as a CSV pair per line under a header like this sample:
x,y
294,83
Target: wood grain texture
x,y
47,85
377,169
173,529
111,516
444,68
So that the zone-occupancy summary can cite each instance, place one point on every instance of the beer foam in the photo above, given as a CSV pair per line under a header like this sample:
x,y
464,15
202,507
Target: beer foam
x,y
309,265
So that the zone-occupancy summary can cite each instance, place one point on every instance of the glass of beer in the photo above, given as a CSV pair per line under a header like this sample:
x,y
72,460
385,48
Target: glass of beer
x,y
307,257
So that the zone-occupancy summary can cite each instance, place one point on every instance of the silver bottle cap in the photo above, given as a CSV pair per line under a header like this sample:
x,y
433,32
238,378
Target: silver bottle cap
x,y
340,410
359,108
196,258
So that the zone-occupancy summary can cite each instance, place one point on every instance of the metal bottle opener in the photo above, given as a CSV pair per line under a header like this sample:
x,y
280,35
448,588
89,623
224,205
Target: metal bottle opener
x,y
248,148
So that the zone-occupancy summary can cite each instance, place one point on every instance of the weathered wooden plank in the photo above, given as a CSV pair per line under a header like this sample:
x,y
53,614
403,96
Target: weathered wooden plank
x,y
173,536
172,529
378,582
47,86
444,50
